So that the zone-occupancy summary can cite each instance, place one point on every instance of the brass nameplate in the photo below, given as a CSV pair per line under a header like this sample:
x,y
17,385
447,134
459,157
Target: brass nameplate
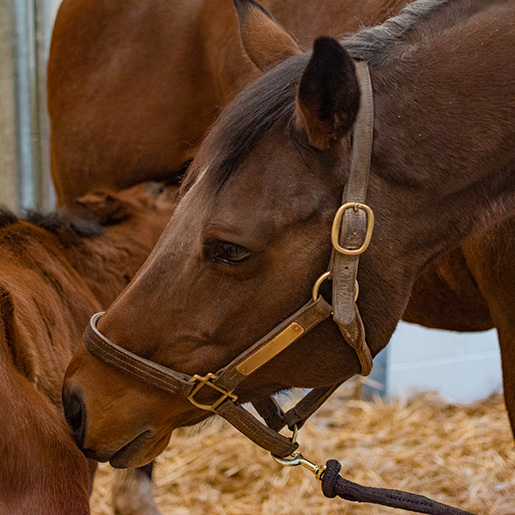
x,y
271,349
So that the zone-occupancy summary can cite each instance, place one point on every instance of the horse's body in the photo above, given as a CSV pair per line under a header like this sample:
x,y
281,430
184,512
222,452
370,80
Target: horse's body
x,y
252,233
56,270
133,87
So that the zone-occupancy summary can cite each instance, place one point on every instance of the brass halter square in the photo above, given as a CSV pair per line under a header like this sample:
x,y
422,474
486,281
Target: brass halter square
x,y
205,380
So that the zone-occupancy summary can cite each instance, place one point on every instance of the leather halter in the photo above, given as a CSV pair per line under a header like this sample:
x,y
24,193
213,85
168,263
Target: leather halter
x,y
351,233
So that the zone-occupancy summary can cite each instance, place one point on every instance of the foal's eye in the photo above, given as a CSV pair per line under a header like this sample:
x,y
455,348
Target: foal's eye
x,y
230,253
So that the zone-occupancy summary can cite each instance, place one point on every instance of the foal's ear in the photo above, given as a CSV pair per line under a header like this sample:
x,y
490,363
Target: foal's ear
x,y
265,41
328,94
105,207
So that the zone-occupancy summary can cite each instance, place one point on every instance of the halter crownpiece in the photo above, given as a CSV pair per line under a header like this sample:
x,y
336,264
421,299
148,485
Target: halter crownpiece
x,y
350,235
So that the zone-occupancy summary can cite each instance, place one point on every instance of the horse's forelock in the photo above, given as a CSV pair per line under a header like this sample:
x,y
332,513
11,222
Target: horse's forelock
x,y
266,102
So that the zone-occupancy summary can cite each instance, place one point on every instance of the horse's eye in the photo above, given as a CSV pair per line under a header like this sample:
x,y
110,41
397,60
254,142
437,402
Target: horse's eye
x,y
230,253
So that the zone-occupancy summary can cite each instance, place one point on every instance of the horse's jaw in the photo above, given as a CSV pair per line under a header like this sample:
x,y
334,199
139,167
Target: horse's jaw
x,y
139,451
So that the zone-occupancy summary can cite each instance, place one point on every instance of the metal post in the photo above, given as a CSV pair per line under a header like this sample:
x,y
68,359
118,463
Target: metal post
x,y
377,384
45,16
26,101
32,34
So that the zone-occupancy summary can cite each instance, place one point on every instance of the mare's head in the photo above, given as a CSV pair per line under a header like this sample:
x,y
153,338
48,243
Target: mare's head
x,y
248,240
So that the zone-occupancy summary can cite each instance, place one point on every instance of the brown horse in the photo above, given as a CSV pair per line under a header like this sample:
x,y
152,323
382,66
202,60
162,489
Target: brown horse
x,y
98,65
133,87
55,271
252,232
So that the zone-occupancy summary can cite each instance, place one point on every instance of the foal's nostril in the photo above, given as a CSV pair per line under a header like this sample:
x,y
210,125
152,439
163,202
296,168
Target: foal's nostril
x,y
75,414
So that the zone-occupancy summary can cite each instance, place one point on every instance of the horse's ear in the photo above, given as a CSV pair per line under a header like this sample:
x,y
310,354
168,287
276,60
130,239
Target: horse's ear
x,y
105,207
328,94
265,41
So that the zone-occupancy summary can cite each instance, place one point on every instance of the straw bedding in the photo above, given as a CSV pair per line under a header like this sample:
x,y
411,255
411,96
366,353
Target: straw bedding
x,y
461,455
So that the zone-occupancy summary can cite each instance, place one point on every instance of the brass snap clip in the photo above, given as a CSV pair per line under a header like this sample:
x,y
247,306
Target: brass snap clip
x,y
297,459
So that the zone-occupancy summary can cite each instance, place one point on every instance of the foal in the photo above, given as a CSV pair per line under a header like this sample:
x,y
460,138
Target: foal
x,y
55,271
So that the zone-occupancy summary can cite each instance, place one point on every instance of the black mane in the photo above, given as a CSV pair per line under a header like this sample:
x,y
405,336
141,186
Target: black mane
x,y
375,44
266,102
59,222
7,217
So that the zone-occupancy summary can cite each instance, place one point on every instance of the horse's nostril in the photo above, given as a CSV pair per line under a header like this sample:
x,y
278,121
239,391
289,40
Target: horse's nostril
x,y
75,414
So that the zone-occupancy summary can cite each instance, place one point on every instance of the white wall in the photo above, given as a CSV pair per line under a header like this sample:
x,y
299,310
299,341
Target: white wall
x,y
462,367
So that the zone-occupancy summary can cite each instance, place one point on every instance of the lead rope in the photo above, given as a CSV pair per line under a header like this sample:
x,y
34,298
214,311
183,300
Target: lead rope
x,y
333,484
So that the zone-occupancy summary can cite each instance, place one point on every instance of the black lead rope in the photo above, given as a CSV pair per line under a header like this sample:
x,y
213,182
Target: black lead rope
x,y
334,485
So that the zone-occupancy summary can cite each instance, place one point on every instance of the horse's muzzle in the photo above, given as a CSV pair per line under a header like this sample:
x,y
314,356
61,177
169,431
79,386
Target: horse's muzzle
x,y
75,414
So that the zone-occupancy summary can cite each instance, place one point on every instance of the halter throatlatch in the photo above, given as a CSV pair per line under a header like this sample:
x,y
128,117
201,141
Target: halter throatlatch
x,y
350,236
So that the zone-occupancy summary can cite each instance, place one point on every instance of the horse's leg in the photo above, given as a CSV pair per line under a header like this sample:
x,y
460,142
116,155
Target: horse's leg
x,y
490,258
132,492
506,332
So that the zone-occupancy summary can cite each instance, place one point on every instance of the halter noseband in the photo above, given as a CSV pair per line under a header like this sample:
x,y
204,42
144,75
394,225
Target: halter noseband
x,y
353,223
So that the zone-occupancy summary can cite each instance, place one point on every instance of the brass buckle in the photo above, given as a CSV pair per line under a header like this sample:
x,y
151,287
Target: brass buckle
x,y
337,224
206,381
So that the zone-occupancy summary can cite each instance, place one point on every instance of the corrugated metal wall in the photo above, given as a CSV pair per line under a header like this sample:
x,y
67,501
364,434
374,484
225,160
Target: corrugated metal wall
x,y
7,112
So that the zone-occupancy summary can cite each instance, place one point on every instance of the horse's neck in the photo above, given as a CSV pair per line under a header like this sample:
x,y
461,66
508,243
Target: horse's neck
x,y
109,261
222,49
444,131
443,164
338,18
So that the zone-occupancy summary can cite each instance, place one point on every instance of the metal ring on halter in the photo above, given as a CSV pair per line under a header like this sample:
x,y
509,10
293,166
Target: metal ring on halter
x,y
318,282
327,275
